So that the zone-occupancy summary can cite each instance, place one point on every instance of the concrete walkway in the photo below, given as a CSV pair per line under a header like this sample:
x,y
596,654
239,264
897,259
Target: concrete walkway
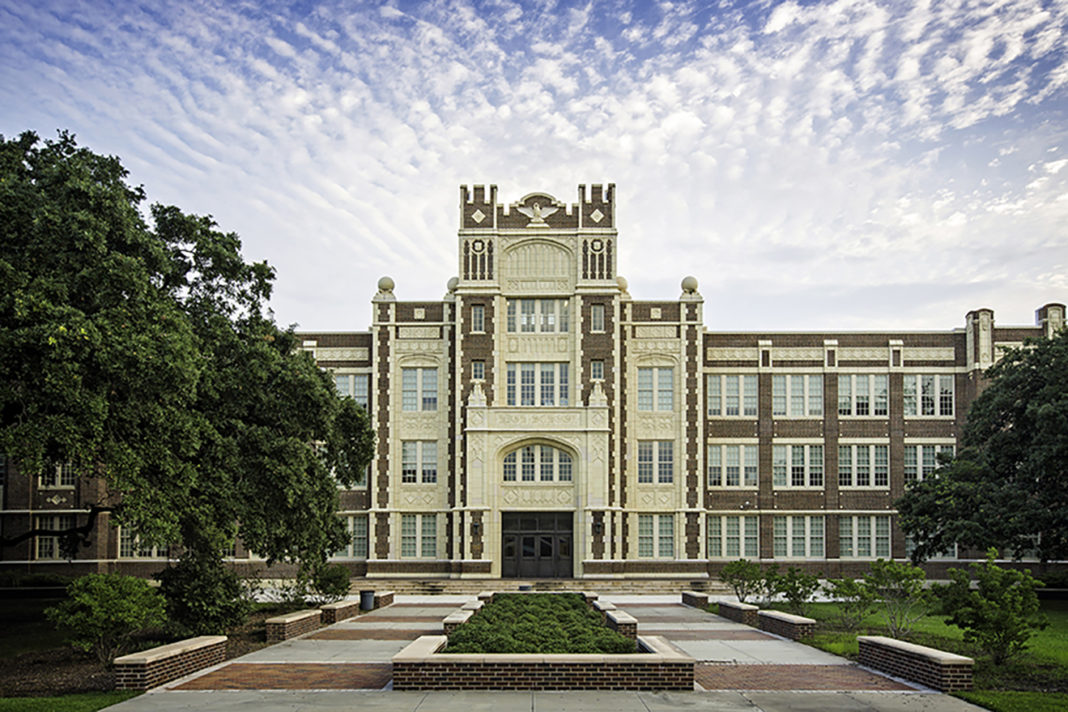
x,y
347,666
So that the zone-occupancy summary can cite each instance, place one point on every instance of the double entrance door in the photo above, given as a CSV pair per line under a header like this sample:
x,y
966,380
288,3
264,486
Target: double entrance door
x,y
536,544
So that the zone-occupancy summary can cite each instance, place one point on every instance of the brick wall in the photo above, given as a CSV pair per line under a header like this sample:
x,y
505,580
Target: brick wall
x,y
152,668
786,625
740,613
334,612
291,625
934,668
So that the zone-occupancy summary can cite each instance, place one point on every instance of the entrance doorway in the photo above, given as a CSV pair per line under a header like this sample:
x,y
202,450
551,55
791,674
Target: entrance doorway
x,y
536,544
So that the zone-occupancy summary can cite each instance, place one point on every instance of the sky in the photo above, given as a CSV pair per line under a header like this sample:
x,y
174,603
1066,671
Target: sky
x,y
845,165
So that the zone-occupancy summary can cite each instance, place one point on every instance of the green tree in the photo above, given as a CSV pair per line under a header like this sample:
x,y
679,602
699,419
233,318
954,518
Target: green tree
x,y
900,588
145,355
744,577
855,600
1000,614
797,588
1008,486
104,611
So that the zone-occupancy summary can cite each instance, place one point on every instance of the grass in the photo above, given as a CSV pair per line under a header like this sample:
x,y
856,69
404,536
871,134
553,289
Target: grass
x,y
1001,701
87,702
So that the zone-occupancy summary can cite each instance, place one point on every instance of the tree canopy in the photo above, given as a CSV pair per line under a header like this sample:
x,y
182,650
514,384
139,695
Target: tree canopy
x,y
1008,486
137,346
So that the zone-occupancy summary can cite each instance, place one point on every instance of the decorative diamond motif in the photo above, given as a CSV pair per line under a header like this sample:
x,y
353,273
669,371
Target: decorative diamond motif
x,y
597,216
478,216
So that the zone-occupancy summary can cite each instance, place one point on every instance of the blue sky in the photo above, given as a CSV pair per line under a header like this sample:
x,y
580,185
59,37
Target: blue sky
x,y
850,164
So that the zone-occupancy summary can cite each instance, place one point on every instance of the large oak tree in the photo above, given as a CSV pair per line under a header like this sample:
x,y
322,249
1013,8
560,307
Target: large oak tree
x,y
137,346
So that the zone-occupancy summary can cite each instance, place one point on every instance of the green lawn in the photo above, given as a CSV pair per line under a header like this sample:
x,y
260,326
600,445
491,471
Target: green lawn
x,y
88,702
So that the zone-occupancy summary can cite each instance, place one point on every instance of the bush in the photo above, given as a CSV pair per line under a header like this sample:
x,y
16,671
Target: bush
x,y
900,587
855,601
1000,614
203,597
797,588
331,583
744,577
768,587
104,611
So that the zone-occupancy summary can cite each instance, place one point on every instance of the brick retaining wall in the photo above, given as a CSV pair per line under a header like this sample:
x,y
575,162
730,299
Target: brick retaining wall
x,y
383,599
695,600
154,667
740,613
334,612
934,668
623,623
786,624
291,625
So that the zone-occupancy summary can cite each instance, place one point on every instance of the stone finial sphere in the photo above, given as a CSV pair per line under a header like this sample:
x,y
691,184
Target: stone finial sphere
x,y
689,284
622,282
386,284
452,283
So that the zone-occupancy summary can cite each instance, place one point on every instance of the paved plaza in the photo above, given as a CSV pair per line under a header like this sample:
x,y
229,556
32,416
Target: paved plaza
x,y
347,666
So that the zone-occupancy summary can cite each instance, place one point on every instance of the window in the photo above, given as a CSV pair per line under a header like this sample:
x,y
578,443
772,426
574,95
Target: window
x,y
797,465
798,537
354,385
130,547
419,536
357,547
928,395
796,395
656,388
864,466
864,537
538,463
733,536
478,370
597,317
478,318
863,395
730,395
58,476
531,316
419,458
48,545
597,370
419,389
656,536
922,460
656,455
537,384
732,465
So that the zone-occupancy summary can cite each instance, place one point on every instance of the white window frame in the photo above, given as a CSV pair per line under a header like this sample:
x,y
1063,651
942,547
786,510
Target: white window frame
x,y
414,386
130,547
656,536
419,462
785,460
733,536
811,534
528,465
529,378
656,388
597,369
354,385
867,466
58,476
722,457
478,318
921,459
656,462
854,387
797,395
478,370
872,531
359,543
46,547
537,316
421,532
729,395
916,400
597,318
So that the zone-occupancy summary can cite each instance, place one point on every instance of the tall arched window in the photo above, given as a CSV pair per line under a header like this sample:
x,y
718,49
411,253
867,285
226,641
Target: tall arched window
x,y
537,463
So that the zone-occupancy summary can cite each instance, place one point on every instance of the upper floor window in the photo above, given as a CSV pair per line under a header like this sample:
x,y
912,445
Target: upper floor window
x,y
419,389
530,316
419,458
478,318
656,456
798,537
928,394
732,465
656,388
863,465
656,536
354,385
537,384
860,395
597,317
797,465
797,395
57,476
733,536
922,460
537,463
478,370
864,536
597,370
730,395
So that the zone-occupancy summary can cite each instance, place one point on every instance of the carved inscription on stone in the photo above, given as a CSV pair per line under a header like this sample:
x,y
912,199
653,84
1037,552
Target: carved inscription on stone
x,y
418,332
537,496
655,332
342,354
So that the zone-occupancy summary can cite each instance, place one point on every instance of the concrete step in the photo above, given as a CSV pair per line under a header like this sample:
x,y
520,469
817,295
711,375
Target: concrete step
x,y
474,586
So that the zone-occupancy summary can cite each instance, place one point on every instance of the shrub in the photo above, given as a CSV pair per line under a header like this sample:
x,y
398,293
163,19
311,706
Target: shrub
x,y
855,601
203,597
331,583
768,586
900,588
744,577
104,611
1000,614
797,588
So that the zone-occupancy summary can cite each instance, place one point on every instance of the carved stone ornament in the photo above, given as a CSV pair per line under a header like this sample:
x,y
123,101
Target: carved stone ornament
x,y
56,500
598,398
342,354
537,214
477,398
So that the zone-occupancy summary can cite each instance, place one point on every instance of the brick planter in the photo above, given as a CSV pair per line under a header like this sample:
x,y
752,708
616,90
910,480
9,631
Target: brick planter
x,y
154,667
291,625
334,612
383,599
786,624
936,669
740,613
421,667
623,623
695,599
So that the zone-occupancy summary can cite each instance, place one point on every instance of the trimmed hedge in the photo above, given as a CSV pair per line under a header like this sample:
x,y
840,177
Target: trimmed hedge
x,y
537,623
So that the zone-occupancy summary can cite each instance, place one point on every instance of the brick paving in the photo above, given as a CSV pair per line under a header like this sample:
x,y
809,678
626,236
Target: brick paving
x,y
451,606
294,676
404,619
793,677
707,634
371,634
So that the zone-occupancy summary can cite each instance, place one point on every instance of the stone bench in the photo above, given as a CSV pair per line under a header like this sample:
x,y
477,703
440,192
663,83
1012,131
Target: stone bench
x,y
695,599
383,599
740,613
623,623
154,667
334,612
293,624
786,624
934,668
